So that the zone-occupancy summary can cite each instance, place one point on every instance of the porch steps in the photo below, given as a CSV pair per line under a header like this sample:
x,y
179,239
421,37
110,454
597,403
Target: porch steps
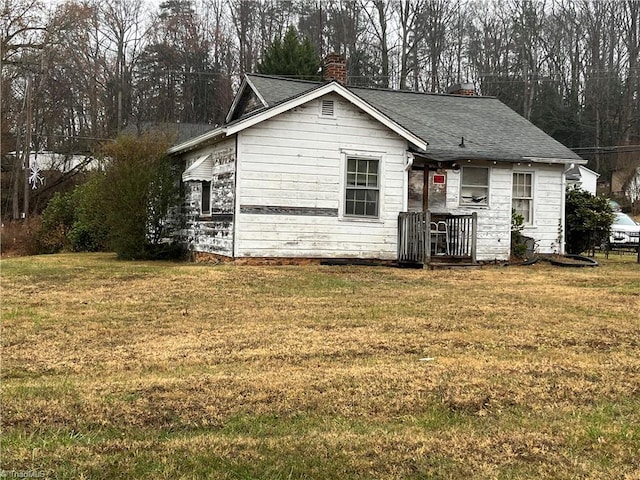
x,y
451,266
440,265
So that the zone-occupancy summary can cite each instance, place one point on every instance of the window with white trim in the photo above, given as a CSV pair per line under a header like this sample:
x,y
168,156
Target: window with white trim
x,y
362,192
522,196
205,200
474,186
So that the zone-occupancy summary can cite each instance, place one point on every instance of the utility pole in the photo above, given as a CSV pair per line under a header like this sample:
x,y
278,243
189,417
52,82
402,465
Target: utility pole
x,y
27,146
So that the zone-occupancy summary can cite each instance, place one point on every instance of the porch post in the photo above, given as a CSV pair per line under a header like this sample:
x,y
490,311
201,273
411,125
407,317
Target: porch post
x,y
474,235
425,188
426,231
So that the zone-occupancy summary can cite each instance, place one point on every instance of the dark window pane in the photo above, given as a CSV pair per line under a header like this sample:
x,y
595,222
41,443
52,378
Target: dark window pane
x,y
475,176
206,197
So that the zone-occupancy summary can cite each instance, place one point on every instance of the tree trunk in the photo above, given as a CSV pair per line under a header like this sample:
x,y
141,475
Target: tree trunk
x,y
27,146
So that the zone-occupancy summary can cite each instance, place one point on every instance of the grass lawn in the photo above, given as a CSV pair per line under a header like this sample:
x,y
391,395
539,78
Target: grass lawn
x,y
159,370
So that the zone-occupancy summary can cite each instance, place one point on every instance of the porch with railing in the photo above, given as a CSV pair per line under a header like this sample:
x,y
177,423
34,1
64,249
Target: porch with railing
x,y
427,238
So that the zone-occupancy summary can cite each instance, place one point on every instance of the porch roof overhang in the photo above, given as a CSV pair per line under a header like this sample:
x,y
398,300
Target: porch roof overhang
x,y
448,158
213,135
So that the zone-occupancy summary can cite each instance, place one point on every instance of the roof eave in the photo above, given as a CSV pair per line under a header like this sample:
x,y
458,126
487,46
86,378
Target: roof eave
x,y
455,155
197,141
559,161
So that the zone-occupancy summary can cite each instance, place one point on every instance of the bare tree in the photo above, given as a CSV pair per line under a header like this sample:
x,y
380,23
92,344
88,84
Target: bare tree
x,y
22,26
121,23
379,19
243,15
410,38
433,20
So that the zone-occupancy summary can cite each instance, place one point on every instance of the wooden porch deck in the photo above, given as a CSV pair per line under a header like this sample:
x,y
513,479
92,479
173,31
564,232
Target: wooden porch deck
x,y
434,240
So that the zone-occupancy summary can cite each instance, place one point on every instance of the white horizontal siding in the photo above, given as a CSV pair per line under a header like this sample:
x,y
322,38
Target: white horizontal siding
x,y
494,220
302,236
296,160
547,201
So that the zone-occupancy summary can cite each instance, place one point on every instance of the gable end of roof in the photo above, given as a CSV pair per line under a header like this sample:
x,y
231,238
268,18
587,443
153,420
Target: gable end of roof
x,y
317,92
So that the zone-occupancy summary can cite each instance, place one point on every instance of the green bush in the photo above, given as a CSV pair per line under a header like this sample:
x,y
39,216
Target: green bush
x,y
57,221
588,220
127,208
142,188
89,233
518,244
74,220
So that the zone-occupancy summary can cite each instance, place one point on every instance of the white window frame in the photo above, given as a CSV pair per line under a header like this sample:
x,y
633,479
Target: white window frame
x,y
349,187
527,221
468,187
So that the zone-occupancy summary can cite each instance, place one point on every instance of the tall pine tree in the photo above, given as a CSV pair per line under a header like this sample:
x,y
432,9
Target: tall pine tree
x,y
291,57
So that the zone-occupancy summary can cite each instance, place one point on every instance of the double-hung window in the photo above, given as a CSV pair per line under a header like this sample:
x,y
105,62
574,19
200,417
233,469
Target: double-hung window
x,y
522,196
205,201
474,186
362,196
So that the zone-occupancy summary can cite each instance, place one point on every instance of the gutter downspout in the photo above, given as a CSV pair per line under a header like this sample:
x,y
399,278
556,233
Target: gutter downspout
x,y
563,208
405,187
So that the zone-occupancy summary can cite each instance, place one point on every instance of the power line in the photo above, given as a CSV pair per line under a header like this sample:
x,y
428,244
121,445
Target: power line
x,y
611,147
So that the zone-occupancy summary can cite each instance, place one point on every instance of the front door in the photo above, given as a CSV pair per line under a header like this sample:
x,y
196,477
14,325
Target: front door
x,y
435,199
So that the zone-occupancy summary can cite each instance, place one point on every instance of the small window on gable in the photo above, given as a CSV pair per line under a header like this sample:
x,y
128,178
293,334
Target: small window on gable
x,y
205,201
327,109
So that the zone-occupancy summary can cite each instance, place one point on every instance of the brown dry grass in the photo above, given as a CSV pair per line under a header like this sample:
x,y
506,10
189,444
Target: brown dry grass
x,y
151,370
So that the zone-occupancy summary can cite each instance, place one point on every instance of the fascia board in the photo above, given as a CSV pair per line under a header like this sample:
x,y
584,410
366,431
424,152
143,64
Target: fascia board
x,y
195,141
332,87
559,161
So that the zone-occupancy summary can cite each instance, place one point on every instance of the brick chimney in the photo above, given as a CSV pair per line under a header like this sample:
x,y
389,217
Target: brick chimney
x,y
462,89
335,68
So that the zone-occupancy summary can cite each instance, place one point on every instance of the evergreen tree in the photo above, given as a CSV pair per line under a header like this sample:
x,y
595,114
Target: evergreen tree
x,y
588,220
291,57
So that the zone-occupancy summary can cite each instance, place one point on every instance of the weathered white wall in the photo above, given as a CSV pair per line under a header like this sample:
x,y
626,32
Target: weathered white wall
x,y
548,199
292,167
290,182
212,233
494,220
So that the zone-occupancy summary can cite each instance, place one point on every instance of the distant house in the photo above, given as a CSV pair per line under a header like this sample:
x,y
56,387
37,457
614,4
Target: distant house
x,y
583,178
60,162
324,170
626,183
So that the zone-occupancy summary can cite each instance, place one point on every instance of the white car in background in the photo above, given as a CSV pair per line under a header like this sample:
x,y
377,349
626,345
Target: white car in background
x,y
624,231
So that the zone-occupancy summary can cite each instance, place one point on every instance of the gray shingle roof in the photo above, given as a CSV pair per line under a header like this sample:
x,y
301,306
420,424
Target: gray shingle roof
x,y
491,130
275,90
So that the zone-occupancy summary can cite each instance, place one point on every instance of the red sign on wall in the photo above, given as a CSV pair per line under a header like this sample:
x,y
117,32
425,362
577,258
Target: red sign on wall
x,y
438,179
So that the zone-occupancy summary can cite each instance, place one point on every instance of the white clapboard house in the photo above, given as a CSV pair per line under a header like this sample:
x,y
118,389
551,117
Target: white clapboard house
x,y
323,170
